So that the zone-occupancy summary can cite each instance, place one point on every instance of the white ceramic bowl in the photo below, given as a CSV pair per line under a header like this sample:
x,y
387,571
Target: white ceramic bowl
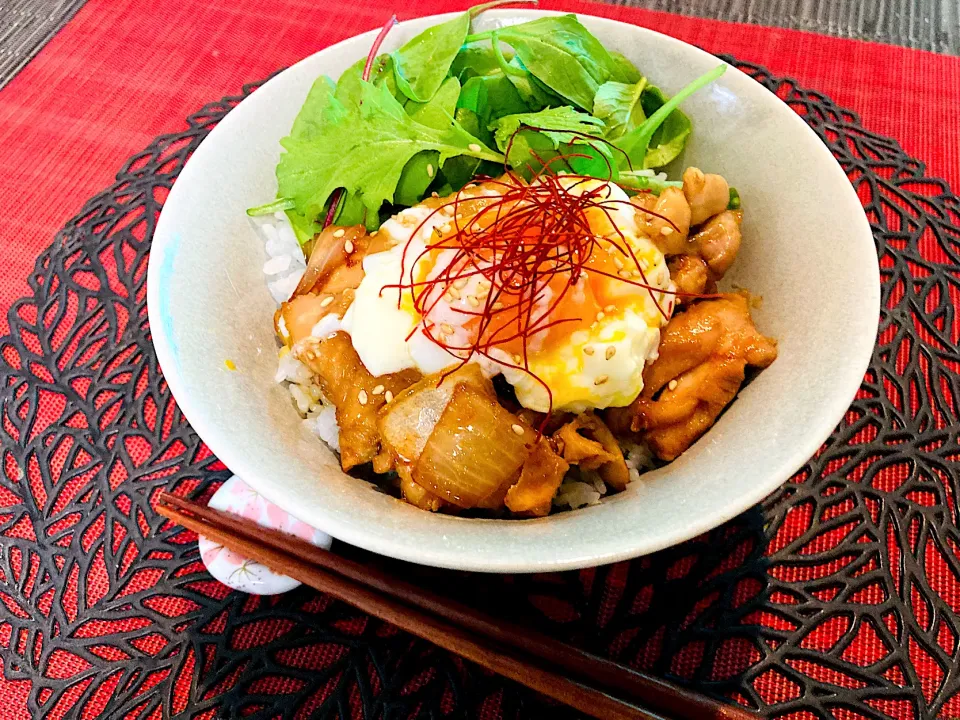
x,y
807,250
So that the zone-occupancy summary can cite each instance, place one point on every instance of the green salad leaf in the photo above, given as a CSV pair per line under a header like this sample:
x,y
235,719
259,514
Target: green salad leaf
x,y
624,71
422,168
636,142
560,125
562,54
534,94
422,64
434,113
364,149
491,97
618,105
381,73
669,139
474,60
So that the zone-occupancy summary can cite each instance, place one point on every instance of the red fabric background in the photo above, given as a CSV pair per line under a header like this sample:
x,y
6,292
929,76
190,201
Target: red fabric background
x,y
124,71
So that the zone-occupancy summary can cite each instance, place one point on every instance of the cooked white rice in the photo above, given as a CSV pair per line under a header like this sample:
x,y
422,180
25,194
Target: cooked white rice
x,y
284,267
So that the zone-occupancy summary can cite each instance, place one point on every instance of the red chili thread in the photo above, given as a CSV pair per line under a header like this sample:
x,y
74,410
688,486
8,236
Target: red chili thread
x,y
517,242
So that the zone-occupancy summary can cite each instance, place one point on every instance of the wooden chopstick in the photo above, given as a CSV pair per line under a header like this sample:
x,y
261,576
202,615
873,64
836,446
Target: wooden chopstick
x,y
258,541
417,622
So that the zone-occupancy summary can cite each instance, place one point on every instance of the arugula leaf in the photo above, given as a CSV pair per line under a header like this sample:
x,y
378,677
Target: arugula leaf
x,y
460,170
636,142
381,73
491,97
422,168
670,138
422,64
558,124
308,121
562,54
364,149
352,211
624,71
534,94
438,113
618,105
538,139
474,60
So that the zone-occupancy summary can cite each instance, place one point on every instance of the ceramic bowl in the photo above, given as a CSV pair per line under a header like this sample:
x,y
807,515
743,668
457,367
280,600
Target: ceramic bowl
x,y
807,250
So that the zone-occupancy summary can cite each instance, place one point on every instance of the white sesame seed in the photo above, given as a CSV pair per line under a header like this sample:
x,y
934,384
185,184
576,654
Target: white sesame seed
x,y
672,385
474,147
600,380
388,397
445,228
362,397
326,301
600,316
610,308
518,429
498,305
666,230
460,284
472,299
429,170
378,390
447,210
452,290
339,233
619,263
624,273
483,284
611,351
348,246
588,350
434,194
517,359
446,329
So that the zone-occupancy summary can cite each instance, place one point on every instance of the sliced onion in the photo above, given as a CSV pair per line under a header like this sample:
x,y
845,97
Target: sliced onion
x,y
474,451
406,423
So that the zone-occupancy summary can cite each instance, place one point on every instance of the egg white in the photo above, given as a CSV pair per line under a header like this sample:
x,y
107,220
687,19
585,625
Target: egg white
x,y
595,368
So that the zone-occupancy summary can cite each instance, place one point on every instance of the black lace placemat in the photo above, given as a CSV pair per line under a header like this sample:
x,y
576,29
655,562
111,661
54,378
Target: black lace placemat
x,y
837,597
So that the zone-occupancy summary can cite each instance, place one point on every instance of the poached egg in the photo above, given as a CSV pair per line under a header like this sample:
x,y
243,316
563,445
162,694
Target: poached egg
x,y
589,330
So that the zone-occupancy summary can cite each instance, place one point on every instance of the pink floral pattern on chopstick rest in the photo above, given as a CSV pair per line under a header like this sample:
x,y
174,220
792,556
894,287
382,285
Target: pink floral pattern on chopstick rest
x,y
238,572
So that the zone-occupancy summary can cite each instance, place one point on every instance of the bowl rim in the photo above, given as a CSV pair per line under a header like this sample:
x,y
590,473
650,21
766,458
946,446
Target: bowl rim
x,y
231,455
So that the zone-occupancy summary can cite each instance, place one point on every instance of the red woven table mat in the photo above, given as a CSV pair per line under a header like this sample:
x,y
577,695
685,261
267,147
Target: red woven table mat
x,y
838,597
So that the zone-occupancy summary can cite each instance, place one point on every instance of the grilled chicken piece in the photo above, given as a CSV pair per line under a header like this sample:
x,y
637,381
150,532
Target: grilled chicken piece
x,y
667,223
691,276
350,387
586,441
336,259
707,194
718,241
333,273
539,479
706,351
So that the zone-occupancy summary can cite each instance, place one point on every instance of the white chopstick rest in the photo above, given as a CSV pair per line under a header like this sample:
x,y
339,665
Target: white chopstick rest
x,y
238,572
